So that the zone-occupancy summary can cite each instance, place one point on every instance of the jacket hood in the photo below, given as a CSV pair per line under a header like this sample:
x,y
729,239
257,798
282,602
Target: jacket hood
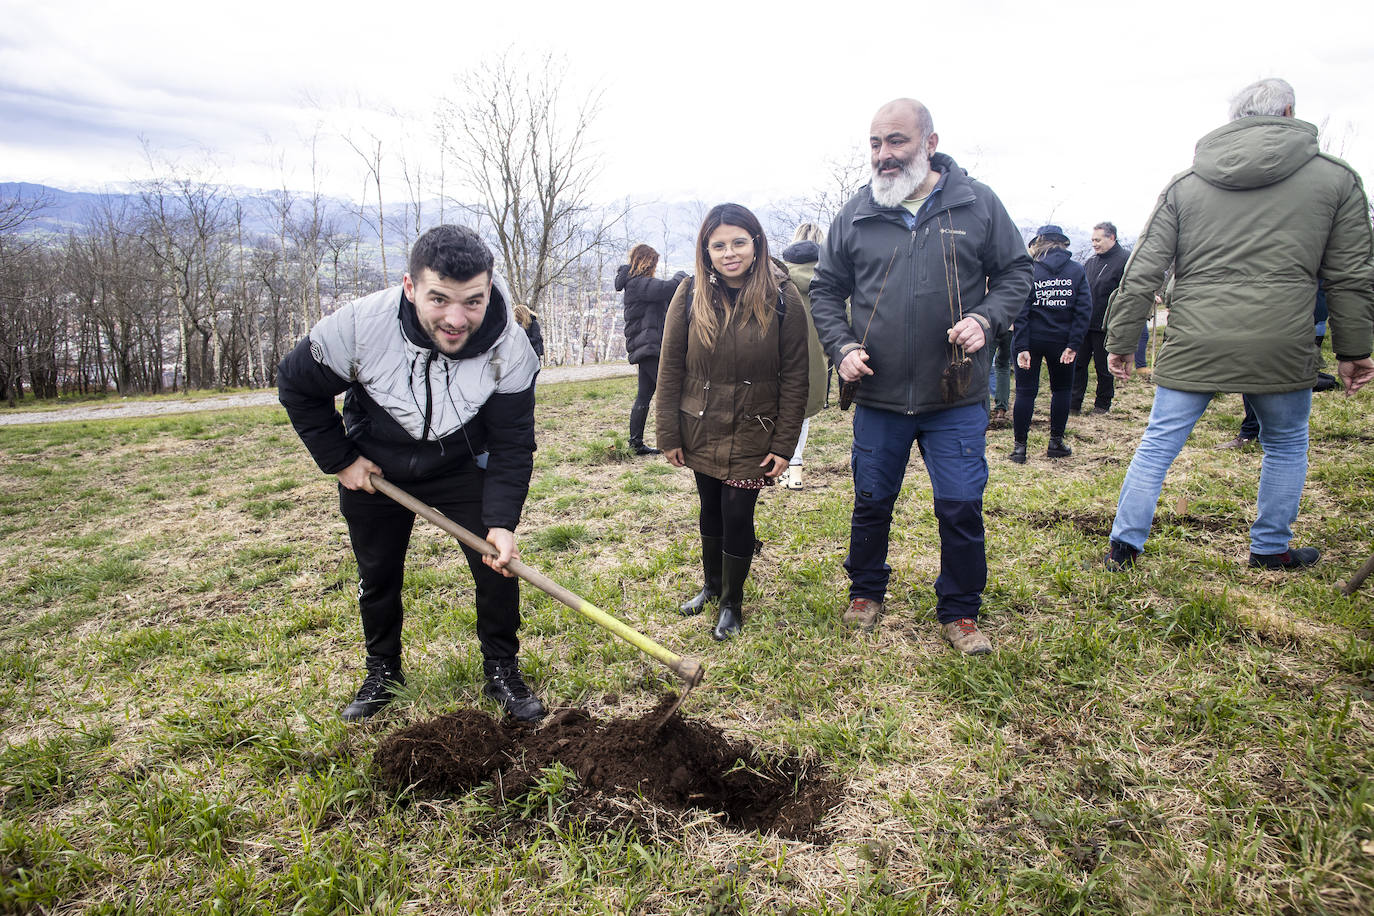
x,y
1255,152
492,327
801,252
1056,258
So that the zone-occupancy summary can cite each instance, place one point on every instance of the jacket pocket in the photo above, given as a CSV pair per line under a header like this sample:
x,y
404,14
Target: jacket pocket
x,y
692,419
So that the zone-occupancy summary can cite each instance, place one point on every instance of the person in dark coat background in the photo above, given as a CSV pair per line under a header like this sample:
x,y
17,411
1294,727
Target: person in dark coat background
x,y
1050,327
1104,271
646,305
530,322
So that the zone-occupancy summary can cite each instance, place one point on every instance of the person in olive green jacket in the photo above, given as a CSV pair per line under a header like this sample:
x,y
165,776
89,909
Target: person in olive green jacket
x,y
800,259
732,386
1261,216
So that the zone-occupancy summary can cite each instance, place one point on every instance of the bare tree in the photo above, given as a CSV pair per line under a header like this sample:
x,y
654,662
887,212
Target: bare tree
x,y
524,153
845,174
371,154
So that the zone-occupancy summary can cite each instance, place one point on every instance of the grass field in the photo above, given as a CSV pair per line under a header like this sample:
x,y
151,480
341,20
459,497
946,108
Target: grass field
x,y
180,634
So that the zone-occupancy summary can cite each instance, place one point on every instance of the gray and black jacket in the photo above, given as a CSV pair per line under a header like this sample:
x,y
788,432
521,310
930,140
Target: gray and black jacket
x,y
906,338
414,411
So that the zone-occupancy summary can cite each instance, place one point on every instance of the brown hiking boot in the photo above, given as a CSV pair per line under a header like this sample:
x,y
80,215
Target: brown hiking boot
x,y
864,614
963,634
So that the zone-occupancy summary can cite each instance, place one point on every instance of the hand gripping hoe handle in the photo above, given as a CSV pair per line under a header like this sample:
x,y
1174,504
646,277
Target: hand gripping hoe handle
x,y
689,669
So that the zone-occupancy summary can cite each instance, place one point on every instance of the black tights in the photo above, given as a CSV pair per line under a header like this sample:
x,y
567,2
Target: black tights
x,y
728,513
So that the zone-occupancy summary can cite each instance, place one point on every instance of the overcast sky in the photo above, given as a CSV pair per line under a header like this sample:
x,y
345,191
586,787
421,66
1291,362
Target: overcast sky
x,y
1076,113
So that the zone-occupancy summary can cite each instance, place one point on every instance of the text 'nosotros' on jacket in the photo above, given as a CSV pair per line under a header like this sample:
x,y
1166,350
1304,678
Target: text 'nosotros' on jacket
x,y
1261,216
728,407
962,256
415,412
646,305
1057,311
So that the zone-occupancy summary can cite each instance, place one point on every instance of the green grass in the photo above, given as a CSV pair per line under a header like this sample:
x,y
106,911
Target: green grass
x,y
181,631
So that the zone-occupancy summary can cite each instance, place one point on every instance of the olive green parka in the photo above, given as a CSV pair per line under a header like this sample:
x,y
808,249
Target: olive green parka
x,y
728,407
1250,228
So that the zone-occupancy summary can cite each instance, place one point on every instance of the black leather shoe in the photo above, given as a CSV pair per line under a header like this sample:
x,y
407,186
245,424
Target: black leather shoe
x,y
1057,449
641,449
710,569
375,694
507,687
1018,453
1293,558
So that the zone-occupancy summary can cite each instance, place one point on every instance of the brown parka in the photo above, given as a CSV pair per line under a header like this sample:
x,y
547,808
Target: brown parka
x,y
728,407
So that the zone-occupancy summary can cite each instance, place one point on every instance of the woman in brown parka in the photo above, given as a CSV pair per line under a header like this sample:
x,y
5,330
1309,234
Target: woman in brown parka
x,y
732,390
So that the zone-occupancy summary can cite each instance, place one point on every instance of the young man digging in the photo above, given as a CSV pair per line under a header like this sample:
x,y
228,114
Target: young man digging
x,y
439,382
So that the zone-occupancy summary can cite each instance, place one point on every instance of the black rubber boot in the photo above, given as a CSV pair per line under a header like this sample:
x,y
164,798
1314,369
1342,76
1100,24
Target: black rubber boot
x,y
734,570
383,677
507,687
1018,453
1057,448
710,568
641,449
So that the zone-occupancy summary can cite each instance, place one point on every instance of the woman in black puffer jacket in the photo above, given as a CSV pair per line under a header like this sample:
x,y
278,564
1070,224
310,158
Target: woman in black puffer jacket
x,y
646,304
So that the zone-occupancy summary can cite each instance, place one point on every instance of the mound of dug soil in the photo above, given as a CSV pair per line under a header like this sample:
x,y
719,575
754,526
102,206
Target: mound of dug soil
x,y
684,764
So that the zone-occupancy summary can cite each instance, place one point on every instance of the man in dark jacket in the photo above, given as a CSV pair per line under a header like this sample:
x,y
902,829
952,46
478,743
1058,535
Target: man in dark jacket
x,y
934,268
1104,270
440,400
1251,227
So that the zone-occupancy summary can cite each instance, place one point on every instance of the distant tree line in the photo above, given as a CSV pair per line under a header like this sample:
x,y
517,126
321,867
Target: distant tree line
x,y
177,286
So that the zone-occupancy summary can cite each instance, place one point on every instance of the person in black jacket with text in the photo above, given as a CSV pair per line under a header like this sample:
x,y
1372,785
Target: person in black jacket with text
x,y
1050,327
439,399
646,304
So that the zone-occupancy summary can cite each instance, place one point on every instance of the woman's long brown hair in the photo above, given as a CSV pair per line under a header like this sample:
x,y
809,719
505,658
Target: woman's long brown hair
x,y
643,261
759,294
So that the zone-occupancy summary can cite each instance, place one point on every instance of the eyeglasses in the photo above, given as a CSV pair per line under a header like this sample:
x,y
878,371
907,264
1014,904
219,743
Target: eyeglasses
x,y
741,244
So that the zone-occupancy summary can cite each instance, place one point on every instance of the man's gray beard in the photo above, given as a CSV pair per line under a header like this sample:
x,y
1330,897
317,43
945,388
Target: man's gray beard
x,y
890,192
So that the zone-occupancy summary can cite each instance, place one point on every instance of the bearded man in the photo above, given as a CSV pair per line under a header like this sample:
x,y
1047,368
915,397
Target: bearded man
x,y
933,268
439,382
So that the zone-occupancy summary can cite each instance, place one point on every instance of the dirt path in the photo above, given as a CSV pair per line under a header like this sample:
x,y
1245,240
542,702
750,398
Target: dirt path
x,y
118,410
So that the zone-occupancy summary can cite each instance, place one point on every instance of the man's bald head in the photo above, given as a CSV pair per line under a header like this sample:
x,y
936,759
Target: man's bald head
x,y
908,110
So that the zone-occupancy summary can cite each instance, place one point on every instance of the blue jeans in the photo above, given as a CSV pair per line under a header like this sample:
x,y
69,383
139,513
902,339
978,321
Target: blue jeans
x,y
1283,435
1142,349
952,443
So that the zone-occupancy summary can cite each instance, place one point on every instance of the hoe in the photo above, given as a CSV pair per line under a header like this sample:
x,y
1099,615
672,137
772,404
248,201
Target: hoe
x,y
689,669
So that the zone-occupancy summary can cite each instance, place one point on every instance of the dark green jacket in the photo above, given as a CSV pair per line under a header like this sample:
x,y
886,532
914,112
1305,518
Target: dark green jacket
x,y
1250,228
964,256
730,406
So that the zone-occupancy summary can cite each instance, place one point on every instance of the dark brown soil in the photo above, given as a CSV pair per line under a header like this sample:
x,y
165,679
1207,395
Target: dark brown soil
x,y
684,764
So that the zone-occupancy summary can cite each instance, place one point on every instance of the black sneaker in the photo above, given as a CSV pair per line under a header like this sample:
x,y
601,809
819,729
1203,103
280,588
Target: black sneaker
x,y
1120,557
1293,558
375,693
507,687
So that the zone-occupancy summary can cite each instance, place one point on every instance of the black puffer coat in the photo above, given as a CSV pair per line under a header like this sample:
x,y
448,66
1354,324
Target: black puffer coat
x,y
646,305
